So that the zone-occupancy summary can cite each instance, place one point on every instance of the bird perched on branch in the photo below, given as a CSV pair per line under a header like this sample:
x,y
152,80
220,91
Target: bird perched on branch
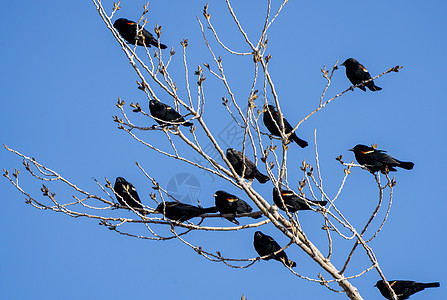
x,y
357,74
126,194
376,160
163,112
227,203
135,34
242,165
182,212
272,122
266,245
292,201
403,288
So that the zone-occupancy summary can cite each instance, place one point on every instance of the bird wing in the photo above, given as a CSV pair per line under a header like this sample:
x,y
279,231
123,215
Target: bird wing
x,y
287,193
363,68
229,199
387,159
243,207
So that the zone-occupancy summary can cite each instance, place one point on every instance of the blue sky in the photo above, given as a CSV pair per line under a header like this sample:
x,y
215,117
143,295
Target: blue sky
x,y
63,72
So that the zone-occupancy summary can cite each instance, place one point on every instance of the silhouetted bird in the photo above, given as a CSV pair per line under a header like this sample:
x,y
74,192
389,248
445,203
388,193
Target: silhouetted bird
x,y
163,112
237,160
182,212
125,192
272,122
128,30
403,288
292,201
357,73
376,160
227,203
266,245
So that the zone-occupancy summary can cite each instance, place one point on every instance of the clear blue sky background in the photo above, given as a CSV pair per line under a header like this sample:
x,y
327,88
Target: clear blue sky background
x,y
62,72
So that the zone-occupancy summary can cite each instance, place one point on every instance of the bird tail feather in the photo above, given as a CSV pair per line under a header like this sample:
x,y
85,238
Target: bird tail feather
x,y
154,43
300,142
210,210
373,87
431,284
322,203
289,263
407,165
233,220
292,264
261,177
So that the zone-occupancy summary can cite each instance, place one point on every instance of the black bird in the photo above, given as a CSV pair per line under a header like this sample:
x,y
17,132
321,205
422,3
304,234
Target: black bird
x,y
403,288
357,73
126,194
237,160
292,201
265,245
376,160
182,212
128,30
227,203
272,122
163,112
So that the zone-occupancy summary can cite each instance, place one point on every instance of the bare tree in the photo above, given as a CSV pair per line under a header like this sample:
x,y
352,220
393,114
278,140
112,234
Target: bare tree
x,y
267,152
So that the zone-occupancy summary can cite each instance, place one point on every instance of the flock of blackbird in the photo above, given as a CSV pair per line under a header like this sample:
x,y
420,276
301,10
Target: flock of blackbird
x,y
230,205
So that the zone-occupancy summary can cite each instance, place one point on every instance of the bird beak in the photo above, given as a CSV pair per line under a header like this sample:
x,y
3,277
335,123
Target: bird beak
x,y
351,149
343,64
214,195
375,285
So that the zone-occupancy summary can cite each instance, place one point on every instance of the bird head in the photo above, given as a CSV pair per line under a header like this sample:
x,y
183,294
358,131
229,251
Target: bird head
x,y
271,108
380,284
231,151
120,23
158,107
219,193
120,180
258,235
361,148
275,191
349,62
160,208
